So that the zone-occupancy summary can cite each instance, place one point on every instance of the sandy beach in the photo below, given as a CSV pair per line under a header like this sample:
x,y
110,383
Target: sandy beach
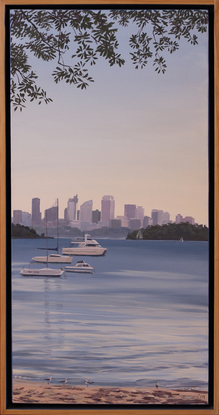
x,y
34,392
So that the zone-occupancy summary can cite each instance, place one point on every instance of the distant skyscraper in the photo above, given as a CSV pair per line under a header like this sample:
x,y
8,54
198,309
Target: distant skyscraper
x,y
96,216
52,214
72,208
36,216
157,216
26,219
130,211
147,221
189,219
179,218
134,224
86,211
139,213
165,218
66,214
17,217
107,209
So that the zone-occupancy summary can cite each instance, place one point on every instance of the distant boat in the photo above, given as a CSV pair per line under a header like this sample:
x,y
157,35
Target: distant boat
x,y
181,239
42,272
54,258
81,267
85,246
139,234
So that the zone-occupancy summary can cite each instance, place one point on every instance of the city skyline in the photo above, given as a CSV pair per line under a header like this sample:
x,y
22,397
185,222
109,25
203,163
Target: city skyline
x,y
86,215
134,134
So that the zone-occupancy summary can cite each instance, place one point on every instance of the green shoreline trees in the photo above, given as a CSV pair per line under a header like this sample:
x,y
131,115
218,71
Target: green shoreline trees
x,y
172,231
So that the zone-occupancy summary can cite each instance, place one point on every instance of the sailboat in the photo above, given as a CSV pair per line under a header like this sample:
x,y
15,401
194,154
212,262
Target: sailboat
x,y
54,258
42,272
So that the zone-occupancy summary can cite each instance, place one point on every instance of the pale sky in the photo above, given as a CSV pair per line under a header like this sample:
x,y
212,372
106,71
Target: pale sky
x,y
133,134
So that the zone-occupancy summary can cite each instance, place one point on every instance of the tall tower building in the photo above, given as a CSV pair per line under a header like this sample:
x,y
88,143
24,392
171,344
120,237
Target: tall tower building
x,y
72,208
52,214
130,211
86,211
165,218
17,217
157,216
139,213
107,209
179,218
36,216
96,216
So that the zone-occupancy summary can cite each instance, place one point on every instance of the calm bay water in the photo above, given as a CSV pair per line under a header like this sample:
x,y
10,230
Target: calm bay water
x,y
141,317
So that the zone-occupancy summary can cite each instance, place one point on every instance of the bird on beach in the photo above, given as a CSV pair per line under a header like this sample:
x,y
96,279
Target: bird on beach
x,y
48,379
63,381
157,384
88,382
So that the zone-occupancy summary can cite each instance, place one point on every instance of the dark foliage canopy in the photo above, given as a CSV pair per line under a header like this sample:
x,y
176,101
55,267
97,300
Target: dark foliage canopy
x,y
20,231
172,231
74,39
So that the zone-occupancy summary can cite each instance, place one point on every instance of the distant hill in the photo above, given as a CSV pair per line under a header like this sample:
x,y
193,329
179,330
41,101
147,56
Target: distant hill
x,y
172,231
24,232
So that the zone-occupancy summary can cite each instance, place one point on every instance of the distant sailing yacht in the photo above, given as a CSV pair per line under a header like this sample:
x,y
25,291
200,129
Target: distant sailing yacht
x,y
181,239
54,258
42,272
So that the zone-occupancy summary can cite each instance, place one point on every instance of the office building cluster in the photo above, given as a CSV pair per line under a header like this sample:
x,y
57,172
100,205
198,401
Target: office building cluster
x,y
85,218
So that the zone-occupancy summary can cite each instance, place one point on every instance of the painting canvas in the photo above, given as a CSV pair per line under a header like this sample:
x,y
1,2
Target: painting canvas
x,y
111,144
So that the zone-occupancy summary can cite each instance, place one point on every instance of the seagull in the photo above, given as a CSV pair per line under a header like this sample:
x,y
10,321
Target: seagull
x,y
63,381
88,382
48,379
157,384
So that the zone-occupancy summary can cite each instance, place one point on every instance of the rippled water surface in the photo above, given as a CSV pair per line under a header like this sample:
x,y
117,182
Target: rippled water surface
x,y
141,317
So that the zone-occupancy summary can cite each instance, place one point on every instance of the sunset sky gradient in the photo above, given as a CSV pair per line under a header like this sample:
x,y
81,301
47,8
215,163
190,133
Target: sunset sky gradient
x,y
139,136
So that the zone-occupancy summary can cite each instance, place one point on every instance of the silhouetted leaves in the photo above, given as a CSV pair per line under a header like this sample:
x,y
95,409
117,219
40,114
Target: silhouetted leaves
x,y
89,34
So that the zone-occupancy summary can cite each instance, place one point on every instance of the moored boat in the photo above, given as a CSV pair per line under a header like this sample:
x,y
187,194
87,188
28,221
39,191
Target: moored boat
x,y
80,266
41,272
53,258
85,247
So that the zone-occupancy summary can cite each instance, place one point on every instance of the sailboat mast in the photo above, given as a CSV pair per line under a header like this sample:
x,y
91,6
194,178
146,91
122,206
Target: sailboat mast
x,y
57,226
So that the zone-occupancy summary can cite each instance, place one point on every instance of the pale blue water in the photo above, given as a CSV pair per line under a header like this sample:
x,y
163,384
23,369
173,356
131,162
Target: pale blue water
x,y
141,317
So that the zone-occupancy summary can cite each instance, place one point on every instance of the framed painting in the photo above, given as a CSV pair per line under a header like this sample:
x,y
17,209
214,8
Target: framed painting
x,y
109,207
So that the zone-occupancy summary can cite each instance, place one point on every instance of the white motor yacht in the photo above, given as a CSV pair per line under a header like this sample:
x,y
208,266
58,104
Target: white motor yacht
x,y
86,246
81,267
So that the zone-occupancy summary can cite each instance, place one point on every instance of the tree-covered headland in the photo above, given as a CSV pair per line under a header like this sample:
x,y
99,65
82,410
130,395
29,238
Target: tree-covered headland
x,y
172,231
24,232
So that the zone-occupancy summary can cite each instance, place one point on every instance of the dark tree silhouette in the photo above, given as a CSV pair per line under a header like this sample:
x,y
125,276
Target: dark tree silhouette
x,y
75,39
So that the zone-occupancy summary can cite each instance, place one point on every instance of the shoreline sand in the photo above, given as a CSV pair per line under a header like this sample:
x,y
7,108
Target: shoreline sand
x,y
43,393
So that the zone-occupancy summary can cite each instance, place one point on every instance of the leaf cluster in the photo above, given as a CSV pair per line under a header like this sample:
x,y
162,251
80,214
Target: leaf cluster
x,y
74,39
